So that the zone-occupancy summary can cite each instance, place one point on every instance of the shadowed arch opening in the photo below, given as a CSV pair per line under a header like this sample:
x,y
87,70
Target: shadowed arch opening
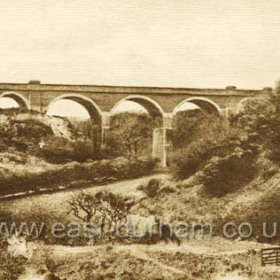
x,y
142,130
148,104
18,98
204,104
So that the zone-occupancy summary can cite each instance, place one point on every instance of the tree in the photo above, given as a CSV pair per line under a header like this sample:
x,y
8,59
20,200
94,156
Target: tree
x,y
114,209
107,208
84,206
260,120
130,133
185,127
190,126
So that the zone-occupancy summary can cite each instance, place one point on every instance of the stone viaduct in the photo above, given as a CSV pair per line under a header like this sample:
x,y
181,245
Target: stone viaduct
x,y
160,102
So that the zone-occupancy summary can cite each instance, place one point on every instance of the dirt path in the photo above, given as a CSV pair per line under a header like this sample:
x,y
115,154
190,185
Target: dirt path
x,y
139,251
142,250
57,202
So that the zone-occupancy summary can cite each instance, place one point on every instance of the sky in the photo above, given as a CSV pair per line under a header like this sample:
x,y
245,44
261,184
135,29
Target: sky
x,y
178,43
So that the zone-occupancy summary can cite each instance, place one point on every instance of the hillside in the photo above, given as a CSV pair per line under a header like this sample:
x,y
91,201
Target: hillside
x,y
61,127
255,203
226,172
217,259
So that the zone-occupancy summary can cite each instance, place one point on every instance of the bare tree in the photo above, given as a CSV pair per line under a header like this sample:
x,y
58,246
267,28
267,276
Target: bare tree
x,y
84,206
109,208
114,209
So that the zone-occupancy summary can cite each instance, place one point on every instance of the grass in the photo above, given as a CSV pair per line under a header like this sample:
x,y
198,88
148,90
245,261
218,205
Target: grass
x,y
58,201
218,259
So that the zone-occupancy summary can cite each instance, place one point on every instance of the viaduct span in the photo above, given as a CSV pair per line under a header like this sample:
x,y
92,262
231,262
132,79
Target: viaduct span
x,y
160,102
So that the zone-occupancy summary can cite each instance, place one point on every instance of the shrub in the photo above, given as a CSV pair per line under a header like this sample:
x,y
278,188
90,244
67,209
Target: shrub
x,y
39,223
140,167
216,142
10,267
23,135
60,150
95,172
224,174
260,118
151,189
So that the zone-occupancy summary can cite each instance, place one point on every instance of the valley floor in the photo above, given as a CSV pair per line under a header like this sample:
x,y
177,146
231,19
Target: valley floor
x,y
217,259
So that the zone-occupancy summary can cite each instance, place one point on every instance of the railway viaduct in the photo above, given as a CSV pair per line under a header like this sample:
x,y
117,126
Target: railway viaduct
x,y
160,102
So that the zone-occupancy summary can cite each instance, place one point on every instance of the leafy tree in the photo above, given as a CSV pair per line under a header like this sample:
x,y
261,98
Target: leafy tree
x,y
23,134
130,134
255,119
260,120
186,127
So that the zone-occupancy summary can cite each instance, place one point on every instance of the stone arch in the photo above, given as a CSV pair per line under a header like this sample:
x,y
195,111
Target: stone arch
x,y
159,130
93,110
19,98
153,108
244,100
202,102
241,103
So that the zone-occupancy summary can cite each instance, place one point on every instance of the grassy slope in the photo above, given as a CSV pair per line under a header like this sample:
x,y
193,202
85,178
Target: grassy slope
x,y
57,202
195,259
257,202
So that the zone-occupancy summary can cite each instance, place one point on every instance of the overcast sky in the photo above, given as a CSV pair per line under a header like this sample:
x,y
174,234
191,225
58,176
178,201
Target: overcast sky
x,y
178,43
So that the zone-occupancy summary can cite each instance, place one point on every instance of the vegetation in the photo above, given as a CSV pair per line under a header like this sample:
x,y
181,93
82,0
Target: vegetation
x,y
187,127
217,166
23,135
96,172
58,150
219,153
11,267
226,173
151,189
106,209
130,135
214,138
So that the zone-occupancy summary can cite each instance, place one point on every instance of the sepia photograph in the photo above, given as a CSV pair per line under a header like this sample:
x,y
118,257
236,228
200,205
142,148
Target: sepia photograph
x,y
140,140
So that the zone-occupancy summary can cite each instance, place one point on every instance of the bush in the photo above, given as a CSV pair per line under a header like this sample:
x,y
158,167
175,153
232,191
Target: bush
x,y
219,141
96,172
260,118
60,150
225,174
23,135
151,189
11,267
140,167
